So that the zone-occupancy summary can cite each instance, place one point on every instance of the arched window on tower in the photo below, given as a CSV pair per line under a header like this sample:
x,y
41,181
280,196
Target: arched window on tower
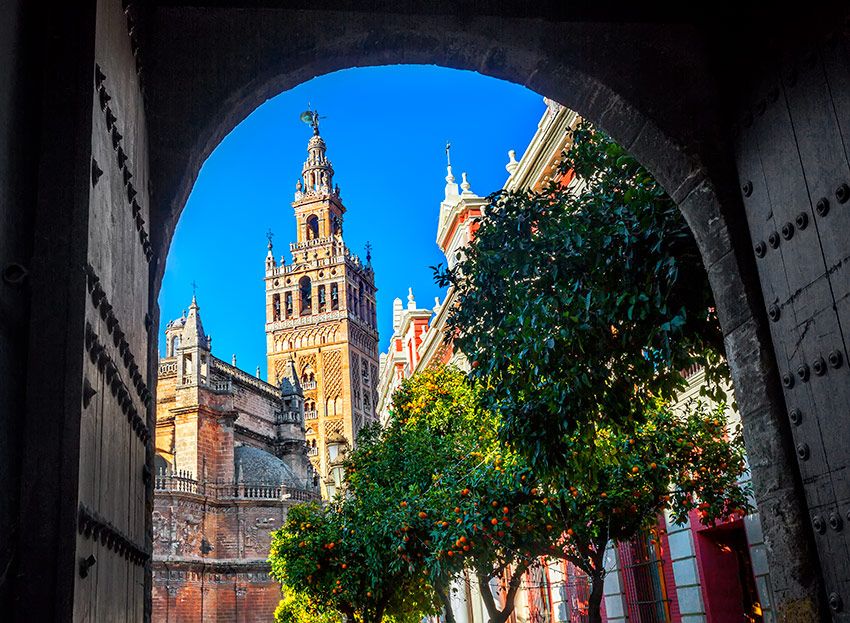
x,y
308,378
335,225
288,306
334,297
322,299
312,227
276,307
175,344
306,290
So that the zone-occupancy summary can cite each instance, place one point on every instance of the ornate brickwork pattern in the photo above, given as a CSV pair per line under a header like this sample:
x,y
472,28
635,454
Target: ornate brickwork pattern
x,y
279,366
333,427
355,381
332,373
363,339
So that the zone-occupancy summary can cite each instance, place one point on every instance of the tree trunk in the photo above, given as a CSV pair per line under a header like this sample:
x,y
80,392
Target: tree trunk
x,y
594,604
447,603
496,615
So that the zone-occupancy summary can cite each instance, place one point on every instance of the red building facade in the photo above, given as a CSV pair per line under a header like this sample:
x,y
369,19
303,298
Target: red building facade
x,y
670,573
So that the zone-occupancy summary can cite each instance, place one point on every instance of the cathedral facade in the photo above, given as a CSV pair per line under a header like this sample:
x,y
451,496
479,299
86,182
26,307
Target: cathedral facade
x,y
230,460
321,315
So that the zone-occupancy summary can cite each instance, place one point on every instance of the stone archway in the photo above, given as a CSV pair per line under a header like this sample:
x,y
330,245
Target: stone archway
x,y
136,95
238,75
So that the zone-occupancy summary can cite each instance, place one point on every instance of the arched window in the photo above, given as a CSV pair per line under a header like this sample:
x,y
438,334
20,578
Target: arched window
x,y
334,296
322,299
276,307
288,305
312,227
308,378
175,344
336,225
306,290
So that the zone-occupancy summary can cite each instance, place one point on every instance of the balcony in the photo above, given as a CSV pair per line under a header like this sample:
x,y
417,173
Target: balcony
x,y
311,415
184,482
308,385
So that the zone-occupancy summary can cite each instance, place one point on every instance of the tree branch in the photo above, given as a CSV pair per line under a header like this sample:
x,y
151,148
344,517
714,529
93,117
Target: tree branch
x,y
487,595
516,580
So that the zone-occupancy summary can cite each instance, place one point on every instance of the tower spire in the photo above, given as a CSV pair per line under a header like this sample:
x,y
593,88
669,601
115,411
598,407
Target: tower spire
x,y
451,185
317,173
270,254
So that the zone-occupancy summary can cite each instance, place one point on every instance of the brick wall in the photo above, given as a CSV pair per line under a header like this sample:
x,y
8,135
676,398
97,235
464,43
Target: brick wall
x,y
197,596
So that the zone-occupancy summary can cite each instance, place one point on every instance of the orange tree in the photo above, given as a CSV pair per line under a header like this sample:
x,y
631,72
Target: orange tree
x,y
457,500
583,303
441,473
676,463
340,559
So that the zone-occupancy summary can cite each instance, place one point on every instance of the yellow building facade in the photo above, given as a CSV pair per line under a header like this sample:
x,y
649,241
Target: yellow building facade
x,y
320,311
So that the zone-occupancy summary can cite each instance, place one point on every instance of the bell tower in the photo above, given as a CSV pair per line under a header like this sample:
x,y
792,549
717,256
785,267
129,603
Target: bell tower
x,y
320,313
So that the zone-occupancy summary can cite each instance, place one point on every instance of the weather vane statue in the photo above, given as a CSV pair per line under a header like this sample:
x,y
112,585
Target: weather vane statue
x,y
311,117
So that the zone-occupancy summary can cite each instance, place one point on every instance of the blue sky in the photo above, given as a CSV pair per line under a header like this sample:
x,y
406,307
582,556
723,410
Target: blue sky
x,y
386,130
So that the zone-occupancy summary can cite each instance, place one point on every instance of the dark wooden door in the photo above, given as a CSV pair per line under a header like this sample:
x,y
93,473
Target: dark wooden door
x,y
113,547
794,166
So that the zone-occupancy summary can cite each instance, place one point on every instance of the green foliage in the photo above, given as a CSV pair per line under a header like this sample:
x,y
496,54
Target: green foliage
x,y
439,466
339,557
457,498
582,304
296,607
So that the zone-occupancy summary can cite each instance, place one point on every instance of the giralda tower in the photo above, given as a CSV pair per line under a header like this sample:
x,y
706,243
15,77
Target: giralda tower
x,y
320,311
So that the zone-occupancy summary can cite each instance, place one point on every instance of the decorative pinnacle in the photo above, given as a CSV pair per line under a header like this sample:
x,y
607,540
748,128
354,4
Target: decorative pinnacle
x,y
368,252
450,178
270,236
